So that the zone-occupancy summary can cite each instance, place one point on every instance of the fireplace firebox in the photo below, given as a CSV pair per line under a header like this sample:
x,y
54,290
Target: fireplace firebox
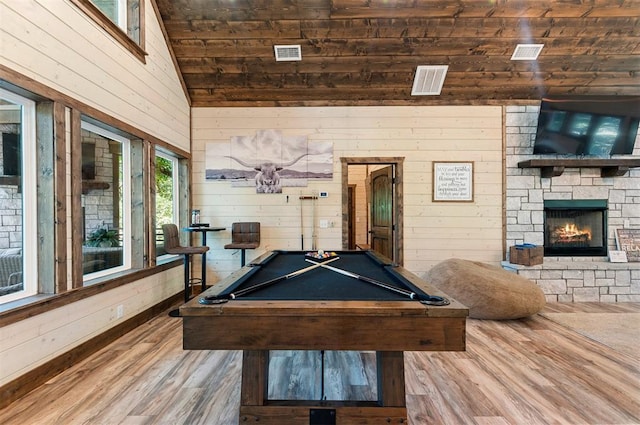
x,y
575,228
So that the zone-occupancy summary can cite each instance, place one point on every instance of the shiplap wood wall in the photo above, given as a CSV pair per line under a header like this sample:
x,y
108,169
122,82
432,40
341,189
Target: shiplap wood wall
x,y
432,231
33,341
54,43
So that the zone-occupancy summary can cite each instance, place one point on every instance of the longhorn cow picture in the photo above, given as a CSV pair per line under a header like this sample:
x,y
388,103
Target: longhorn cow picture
x,y
267,177
269,161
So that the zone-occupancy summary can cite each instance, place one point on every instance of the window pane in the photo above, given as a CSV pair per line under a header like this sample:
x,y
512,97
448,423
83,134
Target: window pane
x,y
17,129
166,202
109,8
124,13
10,199
103,200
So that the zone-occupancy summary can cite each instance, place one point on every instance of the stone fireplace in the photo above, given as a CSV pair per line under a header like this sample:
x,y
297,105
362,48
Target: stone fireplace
x,y
535,202
575,228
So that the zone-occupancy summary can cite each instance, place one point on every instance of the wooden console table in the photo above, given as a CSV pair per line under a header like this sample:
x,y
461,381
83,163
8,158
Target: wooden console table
x,y
609,167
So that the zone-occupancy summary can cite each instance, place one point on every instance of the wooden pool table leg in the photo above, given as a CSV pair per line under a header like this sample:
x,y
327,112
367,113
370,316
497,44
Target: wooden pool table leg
x,y
255,366
391,391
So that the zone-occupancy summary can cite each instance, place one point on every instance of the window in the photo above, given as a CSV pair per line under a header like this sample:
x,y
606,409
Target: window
x,y
166,196
18,200
75,199
123,19
106,203
124,13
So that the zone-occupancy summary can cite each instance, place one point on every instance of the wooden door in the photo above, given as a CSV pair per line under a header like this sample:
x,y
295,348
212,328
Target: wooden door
x,y
382,211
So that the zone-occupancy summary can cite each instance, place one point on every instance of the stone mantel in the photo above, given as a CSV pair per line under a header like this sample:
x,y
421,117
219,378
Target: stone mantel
x,y
609,167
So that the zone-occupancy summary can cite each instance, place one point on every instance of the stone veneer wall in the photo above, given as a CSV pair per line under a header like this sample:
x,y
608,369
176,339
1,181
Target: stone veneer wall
x,y
567,279
10,217
98,203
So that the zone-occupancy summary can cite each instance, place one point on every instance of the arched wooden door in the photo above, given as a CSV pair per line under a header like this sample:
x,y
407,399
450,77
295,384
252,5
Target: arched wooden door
x,y
382,225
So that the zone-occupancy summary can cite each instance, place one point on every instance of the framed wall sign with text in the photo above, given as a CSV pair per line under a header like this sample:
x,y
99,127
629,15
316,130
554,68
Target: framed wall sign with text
x,y
453,181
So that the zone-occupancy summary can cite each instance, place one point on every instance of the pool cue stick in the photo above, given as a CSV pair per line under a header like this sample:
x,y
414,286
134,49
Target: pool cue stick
x,y
411,295
245,291
301,227
314,236
215,299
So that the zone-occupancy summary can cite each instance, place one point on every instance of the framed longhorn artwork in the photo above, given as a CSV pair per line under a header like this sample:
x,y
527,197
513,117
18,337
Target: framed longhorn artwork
x,y
269,161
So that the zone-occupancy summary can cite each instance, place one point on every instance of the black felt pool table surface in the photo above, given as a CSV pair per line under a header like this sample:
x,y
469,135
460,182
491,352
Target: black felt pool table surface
x,y
320,283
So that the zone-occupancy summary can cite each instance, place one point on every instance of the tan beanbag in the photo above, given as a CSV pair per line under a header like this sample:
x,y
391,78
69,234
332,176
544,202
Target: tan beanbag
x,y
488,291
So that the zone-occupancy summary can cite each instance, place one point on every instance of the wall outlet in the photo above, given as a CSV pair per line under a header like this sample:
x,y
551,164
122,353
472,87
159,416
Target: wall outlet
x,y
119,311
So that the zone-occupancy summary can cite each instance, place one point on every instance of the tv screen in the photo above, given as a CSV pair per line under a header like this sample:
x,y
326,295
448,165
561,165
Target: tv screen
x,y
594,126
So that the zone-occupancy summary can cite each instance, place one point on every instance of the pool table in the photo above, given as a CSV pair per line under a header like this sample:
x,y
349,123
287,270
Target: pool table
x,y
287,300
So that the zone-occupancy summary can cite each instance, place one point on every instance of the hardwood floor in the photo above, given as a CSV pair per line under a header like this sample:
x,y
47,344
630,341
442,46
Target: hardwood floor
x,y
522,372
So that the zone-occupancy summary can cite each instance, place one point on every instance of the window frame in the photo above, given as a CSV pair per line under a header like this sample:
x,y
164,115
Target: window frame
x,y
176,183
175,161
29,196
125,201
136,48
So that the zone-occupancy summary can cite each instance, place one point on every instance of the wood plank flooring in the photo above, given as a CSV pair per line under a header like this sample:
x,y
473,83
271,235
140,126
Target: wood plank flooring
x,y
522,372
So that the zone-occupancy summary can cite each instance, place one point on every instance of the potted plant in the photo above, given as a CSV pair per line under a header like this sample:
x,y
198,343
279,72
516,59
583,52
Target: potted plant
x,y
103,238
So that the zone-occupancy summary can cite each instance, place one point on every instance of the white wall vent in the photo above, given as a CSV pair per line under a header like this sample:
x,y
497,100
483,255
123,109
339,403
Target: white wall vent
x,y
429,80
526,52
288,53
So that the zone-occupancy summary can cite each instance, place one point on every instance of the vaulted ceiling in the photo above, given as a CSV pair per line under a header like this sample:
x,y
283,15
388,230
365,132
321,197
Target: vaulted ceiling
x,y
365,52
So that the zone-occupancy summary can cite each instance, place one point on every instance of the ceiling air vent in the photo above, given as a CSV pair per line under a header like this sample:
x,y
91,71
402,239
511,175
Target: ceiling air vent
x,y
288,53
526,52
429,80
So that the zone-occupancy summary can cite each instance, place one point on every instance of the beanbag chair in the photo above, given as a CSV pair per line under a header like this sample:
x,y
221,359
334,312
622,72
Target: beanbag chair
x,y
489,292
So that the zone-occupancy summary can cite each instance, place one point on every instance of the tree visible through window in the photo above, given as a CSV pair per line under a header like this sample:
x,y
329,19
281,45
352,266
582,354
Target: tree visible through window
x,y
166,202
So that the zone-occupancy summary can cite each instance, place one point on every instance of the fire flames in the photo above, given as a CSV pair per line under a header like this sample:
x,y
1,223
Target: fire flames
x,y
570,233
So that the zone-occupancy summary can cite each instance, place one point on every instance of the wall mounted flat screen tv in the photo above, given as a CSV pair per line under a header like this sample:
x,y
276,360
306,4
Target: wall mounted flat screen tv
x,y
588,125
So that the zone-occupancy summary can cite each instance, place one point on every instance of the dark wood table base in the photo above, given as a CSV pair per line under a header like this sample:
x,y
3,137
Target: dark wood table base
x,y
256,408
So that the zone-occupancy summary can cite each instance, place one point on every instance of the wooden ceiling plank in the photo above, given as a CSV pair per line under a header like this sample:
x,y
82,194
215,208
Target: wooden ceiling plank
x,y
472,27
192,65
380,96
371,94
243,10
482,8
393,28
407,46
213,29
404,80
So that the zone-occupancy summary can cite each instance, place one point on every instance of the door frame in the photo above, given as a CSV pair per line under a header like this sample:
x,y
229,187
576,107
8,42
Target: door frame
x,y
351,230
398,208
